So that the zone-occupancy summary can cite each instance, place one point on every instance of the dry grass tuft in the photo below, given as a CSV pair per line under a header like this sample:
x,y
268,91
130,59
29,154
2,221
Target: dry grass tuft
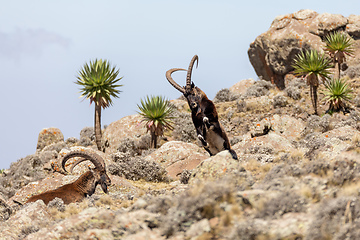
x,y
257,169
104,200
310,193
356,139
350,189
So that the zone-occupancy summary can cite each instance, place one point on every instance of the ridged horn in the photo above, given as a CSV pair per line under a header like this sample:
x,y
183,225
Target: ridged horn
x,y
92,157
172,82
189,71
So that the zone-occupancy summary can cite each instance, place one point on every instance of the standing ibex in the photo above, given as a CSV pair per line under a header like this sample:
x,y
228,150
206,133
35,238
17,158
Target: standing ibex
x,y
84,186
203,112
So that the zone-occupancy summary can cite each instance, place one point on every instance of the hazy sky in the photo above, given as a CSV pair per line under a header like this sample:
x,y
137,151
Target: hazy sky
x,y
43,45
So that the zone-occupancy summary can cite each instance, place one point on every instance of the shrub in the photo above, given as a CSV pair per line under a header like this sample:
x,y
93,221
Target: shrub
x,y
225,95
184,129
337,92
283,203
328,216
280,101
137,168
260,88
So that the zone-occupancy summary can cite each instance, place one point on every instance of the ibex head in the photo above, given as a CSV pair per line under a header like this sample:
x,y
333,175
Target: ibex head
x,y
193,94
99,172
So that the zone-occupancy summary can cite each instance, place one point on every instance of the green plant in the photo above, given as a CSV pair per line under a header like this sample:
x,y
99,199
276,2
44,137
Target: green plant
x,y
98,83
337,92
338,45
312,65
156,112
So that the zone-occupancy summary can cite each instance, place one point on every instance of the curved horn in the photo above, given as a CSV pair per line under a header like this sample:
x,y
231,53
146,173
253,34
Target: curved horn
x,y
172,82
92,157
189,71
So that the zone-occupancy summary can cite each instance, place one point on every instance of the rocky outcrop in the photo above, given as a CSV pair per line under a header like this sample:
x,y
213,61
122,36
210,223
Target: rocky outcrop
x,y
272,52
176,156
25,221
49,136
297,176
129,127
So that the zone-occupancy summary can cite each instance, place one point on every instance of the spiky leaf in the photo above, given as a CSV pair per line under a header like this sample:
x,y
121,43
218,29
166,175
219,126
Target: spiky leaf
x,y
339,42
336,92
156,112
310,62
98,81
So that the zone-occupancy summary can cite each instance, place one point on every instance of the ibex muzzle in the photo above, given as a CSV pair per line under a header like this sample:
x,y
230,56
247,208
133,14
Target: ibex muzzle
x,y
203,112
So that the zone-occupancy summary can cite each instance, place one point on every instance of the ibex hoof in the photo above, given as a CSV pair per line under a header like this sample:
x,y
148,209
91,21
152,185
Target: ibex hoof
x,y
201,138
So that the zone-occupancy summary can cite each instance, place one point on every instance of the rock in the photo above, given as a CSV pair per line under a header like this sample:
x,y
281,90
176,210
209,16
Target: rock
x,y
98,234
5,210
145,234
324,23
87,136
49,136
271,143
24,171
242,86
76,225
353,26
215,167
127,127
336,142
176,156
133,225
273,52
198,228
289,127
27,220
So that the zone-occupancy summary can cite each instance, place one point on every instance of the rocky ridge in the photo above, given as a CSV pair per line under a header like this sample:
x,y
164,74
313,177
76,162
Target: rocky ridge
x,y
297,176
272,52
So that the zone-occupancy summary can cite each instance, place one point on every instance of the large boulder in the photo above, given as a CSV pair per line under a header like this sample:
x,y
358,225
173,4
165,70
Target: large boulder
x,y
216,167
48,136
129,127
176,156
27,220
242,86
284,125
353,27
272,53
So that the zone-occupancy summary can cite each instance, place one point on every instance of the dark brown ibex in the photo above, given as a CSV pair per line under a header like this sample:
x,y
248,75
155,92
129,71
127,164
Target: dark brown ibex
x,y
203,112
84,186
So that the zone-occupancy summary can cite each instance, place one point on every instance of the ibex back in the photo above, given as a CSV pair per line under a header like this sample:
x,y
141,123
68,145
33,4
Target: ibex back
x,y
84,186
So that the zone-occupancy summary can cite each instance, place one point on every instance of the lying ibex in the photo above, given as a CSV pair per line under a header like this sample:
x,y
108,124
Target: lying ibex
x,y
84,186
203,112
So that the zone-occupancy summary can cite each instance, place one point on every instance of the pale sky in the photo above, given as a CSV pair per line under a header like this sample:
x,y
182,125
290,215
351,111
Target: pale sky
x,y
43,45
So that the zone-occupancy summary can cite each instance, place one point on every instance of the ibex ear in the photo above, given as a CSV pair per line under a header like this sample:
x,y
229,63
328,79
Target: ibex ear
x,y
192,85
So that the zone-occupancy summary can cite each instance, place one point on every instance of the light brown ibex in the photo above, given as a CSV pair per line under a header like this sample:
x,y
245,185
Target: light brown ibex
x,y
203,112
84,186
